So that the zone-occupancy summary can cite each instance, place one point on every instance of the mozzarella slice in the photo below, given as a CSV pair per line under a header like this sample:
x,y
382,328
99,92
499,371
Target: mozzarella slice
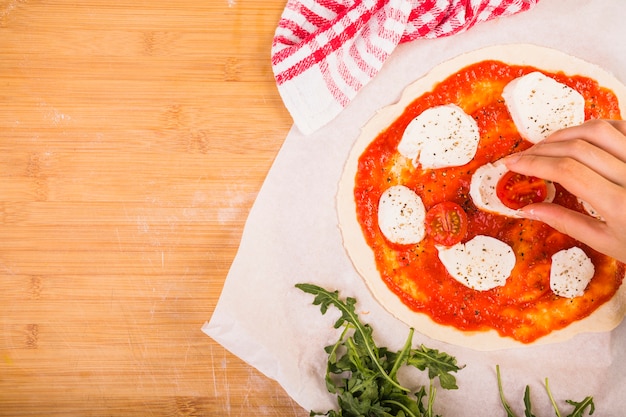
x,y
539,105
401,215
442,136
482,263
483,189
590,210
571,272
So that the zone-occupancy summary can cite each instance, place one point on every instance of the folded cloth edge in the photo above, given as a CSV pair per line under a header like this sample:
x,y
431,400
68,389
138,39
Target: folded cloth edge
x,y
324,52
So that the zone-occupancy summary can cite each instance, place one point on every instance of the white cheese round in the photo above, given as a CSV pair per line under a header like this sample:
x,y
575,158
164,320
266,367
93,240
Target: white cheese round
x,y
483,189
540,105
482,263
571,272
401,215
442,136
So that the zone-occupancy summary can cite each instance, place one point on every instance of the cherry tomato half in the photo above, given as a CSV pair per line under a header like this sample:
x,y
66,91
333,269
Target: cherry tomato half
x,y
518,190
446,223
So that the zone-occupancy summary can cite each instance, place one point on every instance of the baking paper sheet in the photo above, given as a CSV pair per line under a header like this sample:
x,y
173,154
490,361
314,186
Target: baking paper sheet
x,y
292,236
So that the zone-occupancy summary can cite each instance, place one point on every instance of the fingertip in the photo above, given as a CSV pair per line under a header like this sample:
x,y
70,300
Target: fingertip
x,y
512,159
551,214
528,212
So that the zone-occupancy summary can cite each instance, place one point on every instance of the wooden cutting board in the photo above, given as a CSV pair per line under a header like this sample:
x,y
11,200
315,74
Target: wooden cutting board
x,y
134,137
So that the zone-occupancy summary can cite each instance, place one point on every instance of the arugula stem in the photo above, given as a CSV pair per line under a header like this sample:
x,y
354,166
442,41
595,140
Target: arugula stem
x,y
431,398
556,408
505,404
402,355
402,407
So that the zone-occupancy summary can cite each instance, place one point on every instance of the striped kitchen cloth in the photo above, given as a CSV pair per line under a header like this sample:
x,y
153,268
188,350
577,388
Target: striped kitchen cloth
x,y
325,51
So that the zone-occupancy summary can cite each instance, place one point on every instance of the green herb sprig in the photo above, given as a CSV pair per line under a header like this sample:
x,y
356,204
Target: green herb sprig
x,y
364,376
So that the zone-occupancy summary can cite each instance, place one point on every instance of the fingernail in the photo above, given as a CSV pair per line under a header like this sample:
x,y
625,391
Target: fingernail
x,y
513,158
528,213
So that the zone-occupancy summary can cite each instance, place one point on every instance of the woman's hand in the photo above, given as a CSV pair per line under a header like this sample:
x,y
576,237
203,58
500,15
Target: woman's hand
x,y
590,162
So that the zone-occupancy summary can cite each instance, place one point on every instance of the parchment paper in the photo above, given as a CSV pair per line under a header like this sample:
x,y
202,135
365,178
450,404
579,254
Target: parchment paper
x,y
292,236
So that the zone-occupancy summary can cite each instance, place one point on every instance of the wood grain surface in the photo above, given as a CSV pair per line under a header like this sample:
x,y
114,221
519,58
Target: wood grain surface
x,y
134,138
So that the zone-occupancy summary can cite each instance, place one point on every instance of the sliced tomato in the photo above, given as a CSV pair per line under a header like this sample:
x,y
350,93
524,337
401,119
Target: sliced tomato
x,y
518,190
446,223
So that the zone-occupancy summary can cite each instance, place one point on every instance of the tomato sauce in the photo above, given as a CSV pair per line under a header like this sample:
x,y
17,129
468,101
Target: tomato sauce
x,y
525,308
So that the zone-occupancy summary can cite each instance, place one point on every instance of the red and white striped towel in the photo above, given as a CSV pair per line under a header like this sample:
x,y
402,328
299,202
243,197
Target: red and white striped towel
x,y
325,51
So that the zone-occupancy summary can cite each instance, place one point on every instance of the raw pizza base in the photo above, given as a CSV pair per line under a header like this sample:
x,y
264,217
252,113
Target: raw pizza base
x,y
605,318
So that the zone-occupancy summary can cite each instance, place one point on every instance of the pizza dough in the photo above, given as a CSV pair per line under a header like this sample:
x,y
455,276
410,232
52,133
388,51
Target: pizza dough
x,y
605,318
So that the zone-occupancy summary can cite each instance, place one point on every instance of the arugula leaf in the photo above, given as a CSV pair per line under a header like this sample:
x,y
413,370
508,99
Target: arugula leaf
x,y
527,403
364,376
581,407
439,364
